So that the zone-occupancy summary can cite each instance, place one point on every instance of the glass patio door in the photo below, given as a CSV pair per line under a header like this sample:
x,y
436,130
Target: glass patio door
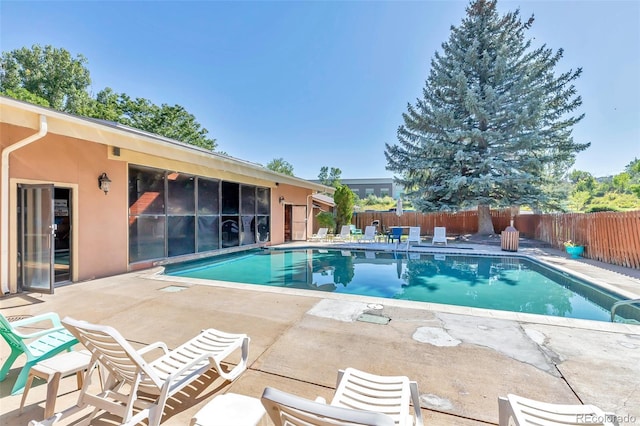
x,y
36,231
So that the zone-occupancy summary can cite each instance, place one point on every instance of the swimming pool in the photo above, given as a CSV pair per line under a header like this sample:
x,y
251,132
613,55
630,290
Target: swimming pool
x,y
510,283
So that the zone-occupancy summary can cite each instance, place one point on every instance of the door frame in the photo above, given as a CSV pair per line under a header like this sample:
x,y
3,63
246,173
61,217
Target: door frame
x,y
60,230
13,226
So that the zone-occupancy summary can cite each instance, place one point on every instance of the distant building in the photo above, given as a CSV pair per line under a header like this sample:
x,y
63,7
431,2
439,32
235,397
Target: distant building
x,y
380,187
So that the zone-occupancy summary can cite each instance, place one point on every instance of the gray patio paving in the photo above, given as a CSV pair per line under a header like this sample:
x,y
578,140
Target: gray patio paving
x,y
462,358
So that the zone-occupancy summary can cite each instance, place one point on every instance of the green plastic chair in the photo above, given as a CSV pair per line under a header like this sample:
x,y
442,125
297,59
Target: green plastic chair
x,y
355,231
37,346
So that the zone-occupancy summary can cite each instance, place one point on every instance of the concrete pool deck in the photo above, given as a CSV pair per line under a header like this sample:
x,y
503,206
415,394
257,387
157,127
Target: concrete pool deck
x,y
462,358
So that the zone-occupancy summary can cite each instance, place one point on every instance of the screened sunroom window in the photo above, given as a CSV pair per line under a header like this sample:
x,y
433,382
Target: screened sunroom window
x,y
174,214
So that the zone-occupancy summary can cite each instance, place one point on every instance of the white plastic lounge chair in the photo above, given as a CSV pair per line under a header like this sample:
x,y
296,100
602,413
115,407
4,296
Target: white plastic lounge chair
x,y
439,235
515,410
390,395
130,375
285,409
321,235
414,235
37,345
369,234
344,235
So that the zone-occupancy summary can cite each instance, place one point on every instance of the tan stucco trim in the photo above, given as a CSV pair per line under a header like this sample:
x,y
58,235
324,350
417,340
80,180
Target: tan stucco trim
x,y
13,224
148,160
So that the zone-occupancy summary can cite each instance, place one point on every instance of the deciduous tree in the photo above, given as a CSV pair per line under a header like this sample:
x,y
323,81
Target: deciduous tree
x,y
48,73
171,121
280,165
52,77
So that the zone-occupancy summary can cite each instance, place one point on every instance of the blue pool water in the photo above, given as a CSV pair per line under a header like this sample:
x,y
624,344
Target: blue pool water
x,y
504,283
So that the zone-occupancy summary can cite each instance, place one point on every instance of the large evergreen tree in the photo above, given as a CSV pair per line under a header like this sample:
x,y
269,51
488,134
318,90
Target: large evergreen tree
x,y
494,124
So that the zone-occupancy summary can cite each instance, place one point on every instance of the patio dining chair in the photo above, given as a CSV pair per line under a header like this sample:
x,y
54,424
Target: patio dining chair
x,y
395,234
146,385
37,345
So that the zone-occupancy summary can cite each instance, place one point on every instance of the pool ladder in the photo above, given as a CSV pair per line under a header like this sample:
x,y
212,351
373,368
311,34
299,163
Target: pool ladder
x,y
620,303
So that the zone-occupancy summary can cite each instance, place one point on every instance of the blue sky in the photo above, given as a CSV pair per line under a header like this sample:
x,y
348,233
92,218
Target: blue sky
x,y
325,83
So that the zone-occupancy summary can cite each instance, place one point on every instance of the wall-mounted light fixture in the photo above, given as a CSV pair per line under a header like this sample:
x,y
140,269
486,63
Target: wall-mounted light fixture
x,y
104,183
281,199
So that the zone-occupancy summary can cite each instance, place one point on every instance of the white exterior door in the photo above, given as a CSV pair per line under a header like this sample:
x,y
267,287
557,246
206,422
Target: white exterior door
x,y
298,223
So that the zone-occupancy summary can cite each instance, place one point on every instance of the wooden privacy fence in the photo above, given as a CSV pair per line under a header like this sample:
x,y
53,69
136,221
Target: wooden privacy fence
x,y
456,223
608,237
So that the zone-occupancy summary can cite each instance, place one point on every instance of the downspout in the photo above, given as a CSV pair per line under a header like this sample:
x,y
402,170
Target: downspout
x,y
4,202
309,214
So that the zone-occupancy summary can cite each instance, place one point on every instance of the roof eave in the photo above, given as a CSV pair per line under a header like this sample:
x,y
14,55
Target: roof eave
x,y
103,132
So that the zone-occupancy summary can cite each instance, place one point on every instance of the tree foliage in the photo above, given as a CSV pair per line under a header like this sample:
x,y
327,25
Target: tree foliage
x,y
330,177
52,77
171,121
280,165
23,94
620,192
48,73
326,220
493,127
344,199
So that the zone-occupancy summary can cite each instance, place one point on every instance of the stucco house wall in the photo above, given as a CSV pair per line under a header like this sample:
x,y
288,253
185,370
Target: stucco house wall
x,y
75,151
68,162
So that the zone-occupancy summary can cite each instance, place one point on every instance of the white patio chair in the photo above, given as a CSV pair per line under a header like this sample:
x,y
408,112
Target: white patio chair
x,y
439,235
390,395
369,234
321,235
286,409
344,235
360,399
144,385
515,410
414,235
